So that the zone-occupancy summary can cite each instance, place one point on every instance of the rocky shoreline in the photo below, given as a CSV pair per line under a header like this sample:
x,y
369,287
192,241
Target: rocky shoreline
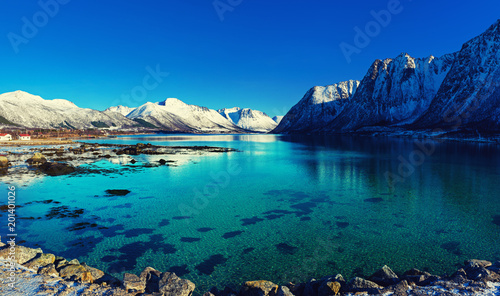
x,y
27,271
64,160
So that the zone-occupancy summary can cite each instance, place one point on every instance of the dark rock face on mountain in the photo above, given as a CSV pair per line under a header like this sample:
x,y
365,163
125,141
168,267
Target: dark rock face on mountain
x,y
319,106
455,91
469,97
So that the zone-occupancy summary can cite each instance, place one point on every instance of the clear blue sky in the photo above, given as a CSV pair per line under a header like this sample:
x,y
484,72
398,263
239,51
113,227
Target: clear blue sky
x,y
263,54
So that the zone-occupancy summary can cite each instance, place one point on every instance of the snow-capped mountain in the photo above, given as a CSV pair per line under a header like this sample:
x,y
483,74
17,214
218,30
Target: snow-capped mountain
x,y
278,119
123,110
469,97
319,106
394,91
175,115
32,111
249,119
459,90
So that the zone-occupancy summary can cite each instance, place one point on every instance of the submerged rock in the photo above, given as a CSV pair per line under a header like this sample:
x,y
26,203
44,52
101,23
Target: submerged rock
x,y
118,192
171,285
57,168
258,288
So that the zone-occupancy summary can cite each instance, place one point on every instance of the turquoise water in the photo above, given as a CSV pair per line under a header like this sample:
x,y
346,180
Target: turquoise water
x,y
284,208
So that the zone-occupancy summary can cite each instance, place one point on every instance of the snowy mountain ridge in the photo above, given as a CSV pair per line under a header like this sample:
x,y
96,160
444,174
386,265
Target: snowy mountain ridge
x,y
460,90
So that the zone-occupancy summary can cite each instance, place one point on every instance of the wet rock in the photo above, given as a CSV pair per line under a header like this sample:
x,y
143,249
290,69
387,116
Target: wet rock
x,y
312,287
384,277
133,283
283,291
57,168
475,263
171,285
258,288
459,277
495,267
151,278
400,289
49,270
296,289
37,159
329,288
76,272
40,260
208,294
4,162
22,254
358,284
97,274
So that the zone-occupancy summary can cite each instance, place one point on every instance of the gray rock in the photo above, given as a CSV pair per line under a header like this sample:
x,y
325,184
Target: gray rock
x,y
475,263
151,278
133,283
384,277
42,259
4,162
258,288
76,272
97,274
171,285
22,254
283,291
49,270
358,284
311,288
400,289
37,159
329,288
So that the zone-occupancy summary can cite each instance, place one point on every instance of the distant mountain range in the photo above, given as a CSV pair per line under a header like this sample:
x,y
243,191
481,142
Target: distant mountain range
x,y
26,110
455,92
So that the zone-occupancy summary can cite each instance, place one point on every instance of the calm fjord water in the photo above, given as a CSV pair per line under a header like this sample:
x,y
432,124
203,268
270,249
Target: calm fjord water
x,y
293,208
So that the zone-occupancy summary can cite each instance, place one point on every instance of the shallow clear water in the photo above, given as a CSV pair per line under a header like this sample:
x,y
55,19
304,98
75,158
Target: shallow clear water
x,y
285,208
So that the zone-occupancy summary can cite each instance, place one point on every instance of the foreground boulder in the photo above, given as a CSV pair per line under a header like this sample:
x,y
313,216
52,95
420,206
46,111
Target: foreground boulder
x,y
4,162
22,254
76,272
358,284
258,288
133,283
56,168
384,277
151,278
41,260
171,285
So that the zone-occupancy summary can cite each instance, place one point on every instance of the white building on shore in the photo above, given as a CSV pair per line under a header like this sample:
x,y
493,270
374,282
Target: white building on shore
x,y
24,137
5,137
